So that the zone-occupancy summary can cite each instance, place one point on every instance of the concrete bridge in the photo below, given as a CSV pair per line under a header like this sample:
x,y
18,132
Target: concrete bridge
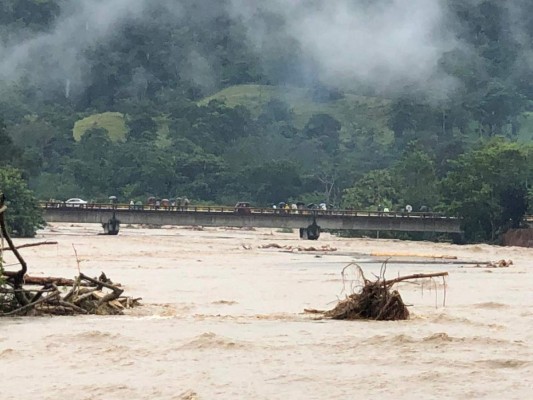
x,y
309,222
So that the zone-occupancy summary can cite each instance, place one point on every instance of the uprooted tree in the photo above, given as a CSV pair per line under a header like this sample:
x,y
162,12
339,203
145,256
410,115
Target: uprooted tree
x,y
376,300
25,295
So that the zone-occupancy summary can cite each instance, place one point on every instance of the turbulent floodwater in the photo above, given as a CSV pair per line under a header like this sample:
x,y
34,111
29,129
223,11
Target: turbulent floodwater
x,y
223,319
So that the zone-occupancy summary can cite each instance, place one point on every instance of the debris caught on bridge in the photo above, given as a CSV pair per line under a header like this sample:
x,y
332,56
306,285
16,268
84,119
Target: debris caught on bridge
x,y
26,295
375,300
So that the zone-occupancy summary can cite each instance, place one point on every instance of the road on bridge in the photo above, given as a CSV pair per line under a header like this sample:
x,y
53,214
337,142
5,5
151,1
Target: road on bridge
x,y
309,221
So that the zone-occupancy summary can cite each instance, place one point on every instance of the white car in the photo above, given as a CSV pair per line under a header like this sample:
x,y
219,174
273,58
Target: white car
x,y
75,202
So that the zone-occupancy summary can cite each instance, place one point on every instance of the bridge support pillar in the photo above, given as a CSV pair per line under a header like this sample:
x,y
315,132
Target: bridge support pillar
x,y
112,226
458,238
312,232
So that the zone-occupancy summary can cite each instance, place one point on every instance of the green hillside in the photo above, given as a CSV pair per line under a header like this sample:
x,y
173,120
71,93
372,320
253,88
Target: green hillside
x,y
351,111
113,122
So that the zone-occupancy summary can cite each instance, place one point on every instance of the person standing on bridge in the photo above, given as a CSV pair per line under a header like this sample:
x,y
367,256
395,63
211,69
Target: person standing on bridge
x,y
294,208
185,203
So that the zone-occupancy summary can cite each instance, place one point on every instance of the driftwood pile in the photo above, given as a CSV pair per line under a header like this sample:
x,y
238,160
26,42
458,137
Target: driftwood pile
x,y
25,295
82,295
376,300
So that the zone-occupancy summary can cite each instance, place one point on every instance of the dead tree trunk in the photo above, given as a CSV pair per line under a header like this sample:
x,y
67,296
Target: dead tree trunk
x,y
19,276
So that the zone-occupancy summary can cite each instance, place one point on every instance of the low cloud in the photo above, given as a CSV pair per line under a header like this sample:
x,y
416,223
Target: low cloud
x,y
58,54
385,45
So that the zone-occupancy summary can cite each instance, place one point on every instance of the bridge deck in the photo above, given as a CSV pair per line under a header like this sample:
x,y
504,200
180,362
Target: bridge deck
x,y
253,217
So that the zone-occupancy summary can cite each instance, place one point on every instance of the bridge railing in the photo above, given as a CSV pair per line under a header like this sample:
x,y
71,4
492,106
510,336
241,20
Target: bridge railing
x,y
240,211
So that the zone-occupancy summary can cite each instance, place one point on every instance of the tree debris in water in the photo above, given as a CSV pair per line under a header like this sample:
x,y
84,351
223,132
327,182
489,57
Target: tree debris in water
x,y
376,300
86,296
25,295
495,264
290,248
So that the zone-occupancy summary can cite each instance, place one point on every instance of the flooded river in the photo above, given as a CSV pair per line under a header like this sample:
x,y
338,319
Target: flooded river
x,y
223,319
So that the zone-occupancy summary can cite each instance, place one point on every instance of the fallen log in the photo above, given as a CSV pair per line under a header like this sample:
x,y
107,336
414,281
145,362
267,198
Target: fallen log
x,y
417,255
23,246
116,291
424,262
290,248
42,280
29,306
495,264
413,277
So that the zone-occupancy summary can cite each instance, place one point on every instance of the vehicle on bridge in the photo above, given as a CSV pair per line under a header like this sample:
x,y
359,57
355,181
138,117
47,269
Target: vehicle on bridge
x,y
75,202
243,208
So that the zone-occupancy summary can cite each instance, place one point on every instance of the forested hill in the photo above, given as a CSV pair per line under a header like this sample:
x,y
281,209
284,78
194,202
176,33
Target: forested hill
x,y
357,103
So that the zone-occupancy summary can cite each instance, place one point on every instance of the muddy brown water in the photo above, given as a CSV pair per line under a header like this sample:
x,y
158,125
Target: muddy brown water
x,y
221,321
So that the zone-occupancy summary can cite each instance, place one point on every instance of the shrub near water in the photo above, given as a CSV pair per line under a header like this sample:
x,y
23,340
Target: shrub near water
x,y
23,215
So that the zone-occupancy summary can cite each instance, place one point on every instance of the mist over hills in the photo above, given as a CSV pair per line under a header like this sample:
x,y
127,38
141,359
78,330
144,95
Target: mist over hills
x,y
232,99
383,46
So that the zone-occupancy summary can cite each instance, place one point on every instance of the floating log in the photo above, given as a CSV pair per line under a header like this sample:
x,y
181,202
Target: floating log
x,y
417,255
290,248
23,246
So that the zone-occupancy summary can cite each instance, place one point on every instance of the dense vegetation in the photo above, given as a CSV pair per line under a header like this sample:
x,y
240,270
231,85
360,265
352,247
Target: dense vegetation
x,y
181,102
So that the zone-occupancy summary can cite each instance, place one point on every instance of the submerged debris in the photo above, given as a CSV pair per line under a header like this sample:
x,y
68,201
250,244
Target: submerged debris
x,y
325,247
495,264
25,295
376,300
86,296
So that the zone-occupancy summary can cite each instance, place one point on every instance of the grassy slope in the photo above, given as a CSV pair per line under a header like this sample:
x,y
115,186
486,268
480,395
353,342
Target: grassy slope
x,y
115,123
112,121
525,134
352,111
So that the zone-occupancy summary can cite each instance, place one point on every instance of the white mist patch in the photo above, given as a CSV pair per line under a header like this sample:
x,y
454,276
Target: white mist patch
x,y
386,45
382,44
58,54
